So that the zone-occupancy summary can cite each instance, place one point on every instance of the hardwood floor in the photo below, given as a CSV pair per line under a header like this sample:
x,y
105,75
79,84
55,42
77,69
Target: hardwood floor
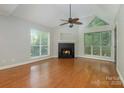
x,y
62,73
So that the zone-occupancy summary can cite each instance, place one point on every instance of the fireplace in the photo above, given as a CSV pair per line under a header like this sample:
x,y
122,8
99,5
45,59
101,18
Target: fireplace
x,y
66,50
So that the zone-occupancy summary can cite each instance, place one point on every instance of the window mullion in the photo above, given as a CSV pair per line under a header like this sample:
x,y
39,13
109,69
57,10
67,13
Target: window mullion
x,y
100,43
40,44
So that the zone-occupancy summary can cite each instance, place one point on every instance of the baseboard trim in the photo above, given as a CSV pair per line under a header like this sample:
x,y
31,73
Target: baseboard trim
x,y
97,58
120,76
54,56
76,56
23,63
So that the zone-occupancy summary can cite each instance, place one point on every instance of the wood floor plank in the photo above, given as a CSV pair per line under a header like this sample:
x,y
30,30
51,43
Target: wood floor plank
x,y
62,73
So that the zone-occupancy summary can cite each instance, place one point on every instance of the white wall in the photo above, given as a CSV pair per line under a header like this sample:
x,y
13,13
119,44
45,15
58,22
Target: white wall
x,y
120,42
15,40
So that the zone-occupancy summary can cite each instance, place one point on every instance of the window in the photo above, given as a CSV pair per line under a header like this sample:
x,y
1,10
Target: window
x,y
39,43
98,43
106,43
97,22
88,43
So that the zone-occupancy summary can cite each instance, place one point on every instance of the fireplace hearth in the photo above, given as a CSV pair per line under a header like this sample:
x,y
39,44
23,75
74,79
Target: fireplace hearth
x,y
66,50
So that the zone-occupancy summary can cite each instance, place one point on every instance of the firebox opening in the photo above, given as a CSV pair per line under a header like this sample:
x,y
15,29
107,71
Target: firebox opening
x,y
66,50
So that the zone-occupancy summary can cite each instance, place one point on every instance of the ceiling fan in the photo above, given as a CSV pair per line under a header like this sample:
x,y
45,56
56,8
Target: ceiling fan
x,y
71,21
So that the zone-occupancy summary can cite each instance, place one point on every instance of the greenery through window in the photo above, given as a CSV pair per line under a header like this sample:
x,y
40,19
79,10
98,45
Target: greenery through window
x,y
106,43
98,43
39,43
88,43
97,22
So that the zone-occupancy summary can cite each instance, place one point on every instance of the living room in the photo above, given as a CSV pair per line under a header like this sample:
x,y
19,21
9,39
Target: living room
x,y
73,42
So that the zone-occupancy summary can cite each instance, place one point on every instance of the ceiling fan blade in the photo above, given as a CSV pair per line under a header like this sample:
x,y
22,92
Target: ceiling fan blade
x,y
75,19
63,24
78,23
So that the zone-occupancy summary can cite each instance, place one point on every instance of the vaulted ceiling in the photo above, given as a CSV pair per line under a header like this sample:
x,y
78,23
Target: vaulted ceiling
x,y
50,14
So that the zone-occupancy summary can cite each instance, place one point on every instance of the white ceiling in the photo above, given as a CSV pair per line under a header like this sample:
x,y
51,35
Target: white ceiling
x,y
7,9
50,14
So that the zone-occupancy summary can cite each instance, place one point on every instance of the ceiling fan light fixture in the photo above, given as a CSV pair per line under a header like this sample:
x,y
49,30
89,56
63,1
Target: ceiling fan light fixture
x,y
70,25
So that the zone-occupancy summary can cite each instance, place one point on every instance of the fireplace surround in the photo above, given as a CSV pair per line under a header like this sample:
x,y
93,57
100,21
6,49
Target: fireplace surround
x,y
66,50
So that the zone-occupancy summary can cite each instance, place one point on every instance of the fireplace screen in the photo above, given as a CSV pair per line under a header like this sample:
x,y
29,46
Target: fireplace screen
x,y
66,51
